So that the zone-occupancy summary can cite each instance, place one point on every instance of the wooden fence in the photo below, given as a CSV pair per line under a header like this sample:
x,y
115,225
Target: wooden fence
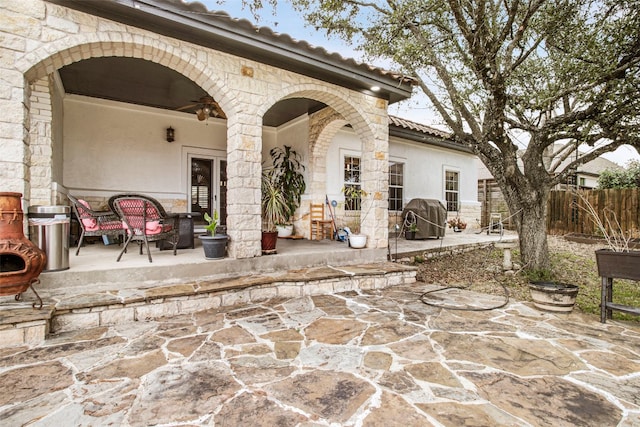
x,y
567,211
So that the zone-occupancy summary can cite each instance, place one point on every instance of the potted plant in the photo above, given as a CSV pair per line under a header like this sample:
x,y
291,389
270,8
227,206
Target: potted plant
x,y
214,244
410,233
616,261
356,239
287,169
274,209
457,224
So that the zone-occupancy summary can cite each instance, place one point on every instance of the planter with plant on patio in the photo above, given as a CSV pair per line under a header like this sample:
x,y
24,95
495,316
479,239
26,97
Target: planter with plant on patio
x,y
354,194
287,170
274,210
410,232
214,245
617,261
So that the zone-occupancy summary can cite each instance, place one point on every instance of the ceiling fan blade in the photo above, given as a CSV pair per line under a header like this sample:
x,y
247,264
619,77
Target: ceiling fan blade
x,y
186,107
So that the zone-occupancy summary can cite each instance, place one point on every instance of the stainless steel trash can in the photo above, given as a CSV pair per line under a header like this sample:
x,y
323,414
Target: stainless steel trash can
x,y
49,228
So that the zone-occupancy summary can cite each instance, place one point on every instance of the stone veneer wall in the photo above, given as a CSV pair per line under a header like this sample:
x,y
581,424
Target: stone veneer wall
x,y
42,37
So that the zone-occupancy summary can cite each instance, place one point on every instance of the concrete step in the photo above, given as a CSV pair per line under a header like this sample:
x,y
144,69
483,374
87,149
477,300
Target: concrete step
x,y
97,306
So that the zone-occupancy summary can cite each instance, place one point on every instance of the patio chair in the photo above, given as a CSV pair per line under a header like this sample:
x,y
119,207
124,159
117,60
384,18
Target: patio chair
x,y
319,226
145,220
95,223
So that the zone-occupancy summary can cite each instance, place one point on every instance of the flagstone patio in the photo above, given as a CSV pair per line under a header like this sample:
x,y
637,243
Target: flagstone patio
x,y
373,358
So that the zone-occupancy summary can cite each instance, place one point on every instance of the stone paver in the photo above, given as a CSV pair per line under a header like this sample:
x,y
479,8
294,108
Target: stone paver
x,y
369,358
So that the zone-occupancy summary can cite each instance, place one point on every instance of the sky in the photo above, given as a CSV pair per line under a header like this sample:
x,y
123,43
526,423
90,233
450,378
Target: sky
x,y
286,20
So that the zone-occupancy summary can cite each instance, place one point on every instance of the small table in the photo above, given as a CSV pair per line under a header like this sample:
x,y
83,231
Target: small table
x,y
185,232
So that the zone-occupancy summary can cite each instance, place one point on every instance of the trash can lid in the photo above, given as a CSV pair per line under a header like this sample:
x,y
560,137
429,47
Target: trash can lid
x,y
59,209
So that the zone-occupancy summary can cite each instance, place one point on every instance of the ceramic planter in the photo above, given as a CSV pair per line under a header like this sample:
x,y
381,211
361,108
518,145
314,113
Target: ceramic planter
x,y
357,241
552,296
215,247
284,230
410,235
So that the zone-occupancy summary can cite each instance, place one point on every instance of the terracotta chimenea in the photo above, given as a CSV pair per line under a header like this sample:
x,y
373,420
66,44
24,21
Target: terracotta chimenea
x,y
21,261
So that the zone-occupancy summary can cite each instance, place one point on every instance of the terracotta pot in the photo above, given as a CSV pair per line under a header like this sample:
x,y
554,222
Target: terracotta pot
x,y
21,261
269,240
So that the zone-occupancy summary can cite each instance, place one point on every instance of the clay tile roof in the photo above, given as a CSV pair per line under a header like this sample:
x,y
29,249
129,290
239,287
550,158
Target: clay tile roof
x,y
221,16
408,124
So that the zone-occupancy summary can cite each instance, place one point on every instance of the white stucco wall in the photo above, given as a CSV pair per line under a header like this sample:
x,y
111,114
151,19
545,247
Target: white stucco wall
x,y
114,147
424,169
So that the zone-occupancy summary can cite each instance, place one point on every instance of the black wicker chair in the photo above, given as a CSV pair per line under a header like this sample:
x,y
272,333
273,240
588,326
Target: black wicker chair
x,y
145,220
95,223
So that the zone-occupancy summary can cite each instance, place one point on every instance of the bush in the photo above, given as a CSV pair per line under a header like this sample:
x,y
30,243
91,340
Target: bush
x,y
626,178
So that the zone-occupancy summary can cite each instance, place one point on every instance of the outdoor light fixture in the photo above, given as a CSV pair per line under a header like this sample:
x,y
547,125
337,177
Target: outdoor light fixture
x,y
171,134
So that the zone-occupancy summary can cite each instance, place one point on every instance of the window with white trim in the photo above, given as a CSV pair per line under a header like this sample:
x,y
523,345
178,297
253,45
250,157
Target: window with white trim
x,y
396,185
451,190
351,180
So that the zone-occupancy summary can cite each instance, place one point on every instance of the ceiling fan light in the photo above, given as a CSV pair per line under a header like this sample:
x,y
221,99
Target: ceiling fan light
x,y
200,114
207,110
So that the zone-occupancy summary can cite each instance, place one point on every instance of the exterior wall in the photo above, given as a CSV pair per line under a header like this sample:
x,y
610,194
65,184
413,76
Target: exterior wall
x,y
423,174
43,37
112,147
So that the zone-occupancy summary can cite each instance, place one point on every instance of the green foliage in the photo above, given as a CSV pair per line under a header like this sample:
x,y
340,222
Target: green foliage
x,y
287,170
274,203
539,275
617,178
212,223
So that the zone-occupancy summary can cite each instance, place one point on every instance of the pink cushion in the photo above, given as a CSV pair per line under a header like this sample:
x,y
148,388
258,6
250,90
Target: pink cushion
x,y
151,227
90,224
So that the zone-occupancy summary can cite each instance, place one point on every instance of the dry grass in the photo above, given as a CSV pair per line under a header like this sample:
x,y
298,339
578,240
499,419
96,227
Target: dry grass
x,y
481,271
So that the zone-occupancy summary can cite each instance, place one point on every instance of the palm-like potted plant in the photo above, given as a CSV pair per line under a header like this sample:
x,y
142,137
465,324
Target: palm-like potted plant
x,y
214,244
287,169
274,209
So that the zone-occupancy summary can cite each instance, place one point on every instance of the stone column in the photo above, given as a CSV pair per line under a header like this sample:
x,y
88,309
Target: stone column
x,y
375,179
40,147
244,160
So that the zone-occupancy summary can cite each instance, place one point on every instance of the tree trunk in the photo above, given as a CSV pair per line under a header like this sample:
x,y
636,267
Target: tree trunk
x,y
532,232
528,205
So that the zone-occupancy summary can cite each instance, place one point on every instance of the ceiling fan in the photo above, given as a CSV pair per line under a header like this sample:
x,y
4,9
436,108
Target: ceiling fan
x,y
205,107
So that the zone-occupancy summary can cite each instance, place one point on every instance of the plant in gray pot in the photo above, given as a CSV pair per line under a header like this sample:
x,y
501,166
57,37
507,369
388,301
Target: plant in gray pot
x,y
214,245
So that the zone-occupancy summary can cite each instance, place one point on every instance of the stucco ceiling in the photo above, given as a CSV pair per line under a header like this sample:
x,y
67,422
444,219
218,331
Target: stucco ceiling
x,y
137,81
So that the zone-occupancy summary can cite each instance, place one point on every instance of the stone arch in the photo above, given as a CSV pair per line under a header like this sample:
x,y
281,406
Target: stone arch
x,y
339,101
52,56
371,126
322,128
39,65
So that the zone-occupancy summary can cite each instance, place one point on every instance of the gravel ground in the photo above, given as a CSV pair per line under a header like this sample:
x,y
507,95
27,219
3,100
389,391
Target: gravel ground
x,y
481,271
